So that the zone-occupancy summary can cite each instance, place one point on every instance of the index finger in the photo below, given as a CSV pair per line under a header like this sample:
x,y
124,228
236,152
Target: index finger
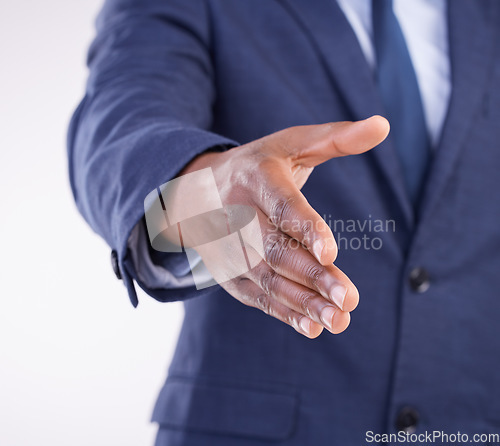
x,y
289,211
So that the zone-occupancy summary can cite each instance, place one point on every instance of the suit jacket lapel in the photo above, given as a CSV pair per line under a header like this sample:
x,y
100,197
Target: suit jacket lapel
x,y
339,50
471,43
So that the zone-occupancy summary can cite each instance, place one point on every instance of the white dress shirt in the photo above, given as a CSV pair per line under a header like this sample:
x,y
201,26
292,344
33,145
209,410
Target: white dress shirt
x,y
425,29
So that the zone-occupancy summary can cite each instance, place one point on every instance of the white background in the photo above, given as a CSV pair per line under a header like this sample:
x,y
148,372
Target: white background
x,y
78,365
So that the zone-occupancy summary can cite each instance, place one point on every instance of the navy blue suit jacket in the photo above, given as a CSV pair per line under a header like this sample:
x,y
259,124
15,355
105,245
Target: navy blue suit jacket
x,y
170,79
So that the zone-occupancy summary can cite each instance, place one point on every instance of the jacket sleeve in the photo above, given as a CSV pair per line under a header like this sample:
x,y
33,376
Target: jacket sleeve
x,y
146,113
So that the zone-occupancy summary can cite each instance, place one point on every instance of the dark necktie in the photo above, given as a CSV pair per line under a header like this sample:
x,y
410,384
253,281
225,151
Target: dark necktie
x,y
400,94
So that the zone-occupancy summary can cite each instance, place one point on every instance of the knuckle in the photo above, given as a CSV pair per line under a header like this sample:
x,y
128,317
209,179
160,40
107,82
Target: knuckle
x,y
304,300
290,319
306,229
274,250
263,303
280,209
247,179
314,273
268,281
244,188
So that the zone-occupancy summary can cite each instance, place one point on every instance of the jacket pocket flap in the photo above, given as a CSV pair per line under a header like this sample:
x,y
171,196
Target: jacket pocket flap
x,y
198,406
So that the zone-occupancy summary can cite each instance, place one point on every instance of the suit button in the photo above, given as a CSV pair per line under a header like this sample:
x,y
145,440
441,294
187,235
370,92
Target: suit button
x,y
115,265
407,420
419,280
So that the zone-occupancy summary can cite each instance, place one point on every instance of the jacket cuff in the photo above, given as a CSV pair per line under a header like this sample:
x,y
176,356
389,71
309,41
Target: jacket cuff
x,y
194,142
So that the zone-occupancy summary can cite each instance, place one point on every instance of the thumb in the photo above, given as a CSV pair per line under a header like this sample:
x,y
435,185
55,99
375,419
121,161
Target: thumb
x,y
319,143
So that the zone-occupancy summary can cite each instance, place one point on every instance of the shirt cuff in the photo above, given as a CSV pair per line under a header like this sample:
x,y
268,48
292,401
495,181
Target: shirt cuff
x,y
161,270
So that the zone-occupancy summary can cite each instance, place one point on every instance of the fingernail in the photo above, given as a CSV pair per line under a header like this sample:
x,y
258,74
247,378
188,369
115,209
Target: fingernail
x,y
337,294
326,316
304,325
318,247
